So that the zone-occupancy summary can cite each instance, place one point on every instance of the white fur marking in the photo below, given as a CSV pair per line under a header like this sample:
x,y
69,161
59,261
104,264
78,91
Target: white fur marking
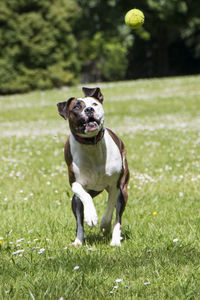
x,y
76,243
116,235
90,214
98,114
99,168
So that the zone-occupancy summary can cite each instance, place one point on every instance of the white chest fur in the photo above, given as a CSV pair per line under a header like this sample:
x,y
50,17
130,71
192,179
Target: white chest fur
x,y
96,167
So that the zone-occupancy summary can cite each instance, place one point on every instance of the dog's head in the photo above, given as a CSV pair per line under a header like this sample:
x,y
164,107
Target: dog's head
x,y
85,115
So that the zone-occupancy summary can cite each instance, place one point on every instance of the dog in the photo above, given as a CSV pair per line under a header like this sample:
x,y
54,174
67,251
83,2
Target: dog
x,y
96,160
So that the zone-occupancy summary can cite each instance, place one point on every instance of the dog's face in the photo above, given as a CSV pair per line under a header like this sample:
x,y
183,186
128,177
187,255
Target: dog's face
x,y
85,115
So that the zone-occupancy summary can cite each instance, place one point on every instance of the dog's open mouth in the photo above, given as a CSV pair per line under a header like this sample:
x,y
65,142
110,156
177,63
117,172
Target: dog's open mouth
x,y
92,124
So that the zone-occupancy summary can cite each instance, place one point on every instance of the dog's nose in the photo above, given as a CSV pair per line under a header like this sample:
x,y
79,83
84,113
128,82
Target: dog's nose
x,y
89,110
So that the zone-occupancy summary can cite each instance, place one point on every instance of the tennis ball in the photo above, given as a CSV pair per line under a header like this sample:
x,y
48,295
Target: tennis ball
x,y
134,18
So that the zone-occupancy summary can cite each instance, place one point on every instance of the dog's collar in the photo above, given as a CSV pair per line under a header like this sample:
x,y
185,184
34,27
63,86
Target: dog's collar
x,y
90,141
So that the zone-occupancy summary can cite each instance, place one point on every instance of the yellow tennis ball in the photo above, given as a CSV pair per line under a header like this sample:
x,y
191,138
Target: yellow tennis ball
x,y
134,18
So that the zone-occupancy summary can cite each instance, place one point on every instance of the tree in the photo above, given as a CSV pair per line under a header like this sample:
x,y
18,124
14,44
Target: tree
x,y
104,41
167,44
173,46
37,45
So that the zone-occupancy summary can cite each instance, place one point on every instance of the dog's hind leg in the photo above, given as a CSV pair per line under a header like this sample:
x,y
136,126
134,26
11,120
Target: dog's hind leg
x,y
77,207
107,218
120,206
121,203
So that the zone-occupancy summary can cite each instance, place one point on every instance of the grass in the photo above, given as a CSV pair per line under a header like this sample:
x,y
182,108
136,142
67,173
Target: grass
x,y
159,122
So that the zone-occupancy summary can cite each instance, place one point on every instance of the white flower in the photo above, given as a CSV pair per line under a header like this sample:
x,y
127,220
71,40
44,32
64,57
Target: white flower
x,y
41,251
17,252
20,240
118,280
175,240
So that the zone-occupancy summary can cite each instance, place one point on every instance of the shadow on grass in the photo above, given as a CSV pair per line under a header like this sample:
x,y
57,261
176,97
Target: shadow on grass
x,y
97,238
112,258
106,260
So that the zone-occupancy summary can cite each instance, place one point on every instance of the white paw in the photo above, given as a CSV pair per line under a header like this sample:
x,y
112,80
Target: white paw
x,y
76,243
115,243
90,215
116,236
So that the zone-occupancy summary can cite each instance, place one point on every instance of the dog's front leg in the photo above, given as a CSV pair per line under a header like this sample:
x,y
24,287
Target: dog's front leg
x,y
90,215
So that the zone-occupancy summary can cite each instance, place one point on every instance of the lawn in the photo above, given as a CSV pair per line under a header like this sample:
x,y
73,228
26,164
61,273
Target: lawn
x,y
159,122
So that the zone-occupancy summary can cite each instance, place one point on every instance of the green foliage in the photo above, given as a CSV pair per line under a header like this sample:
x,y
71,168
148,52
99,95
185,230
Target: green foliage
x,y
115,61
37,45
109,55
51,43
173,47
104,40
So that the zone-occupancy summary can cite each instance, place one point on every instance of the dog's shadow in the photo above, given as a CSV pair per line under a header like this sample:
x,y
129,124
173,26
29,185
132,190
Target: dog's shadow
x,y
94,238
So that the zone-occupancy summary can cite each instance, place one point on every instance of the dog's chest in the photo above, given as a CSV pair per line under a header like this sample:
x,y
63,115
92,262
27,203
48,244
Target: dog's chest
x,y
96,166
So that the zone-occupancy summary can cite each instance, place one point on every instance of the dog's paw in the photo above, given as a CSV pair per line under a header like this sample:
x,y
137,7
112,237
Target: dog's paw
x,y
90,215
76,243
115,243
105,227
116,236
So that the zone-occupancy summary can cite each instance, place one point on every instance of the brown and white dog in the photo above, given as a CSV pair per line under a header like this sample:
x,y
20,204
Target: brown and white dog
x,y
96,160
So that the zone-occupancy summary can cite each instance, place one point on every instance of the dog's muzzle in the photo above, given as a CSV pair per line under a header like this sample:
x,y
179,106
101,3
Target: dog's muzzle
x,y
91,122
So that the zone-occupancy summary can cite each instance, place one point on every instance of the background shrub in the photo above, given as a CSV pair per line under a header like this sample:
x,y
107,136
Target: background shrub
x,y
37,45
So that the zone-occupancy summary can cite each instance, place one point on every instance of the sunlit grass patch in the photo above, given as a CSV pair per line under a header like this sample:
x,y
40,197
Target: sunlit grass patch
x,y
158,121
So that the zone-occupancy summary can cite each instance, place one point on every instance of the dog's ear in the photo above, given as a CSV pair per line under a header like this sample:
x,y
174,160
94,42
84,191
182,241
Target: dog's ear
x,y
63,107
93,92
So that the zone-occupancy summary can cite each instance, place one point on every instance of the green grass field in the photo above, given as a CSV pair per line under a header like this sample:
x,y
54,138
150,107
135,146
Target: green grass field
x,y
159,122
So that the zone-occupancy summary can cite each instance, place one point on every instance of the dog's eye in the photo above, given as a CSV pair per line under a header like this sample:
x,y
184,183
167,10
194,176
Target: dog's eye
x,y
94,104
77,106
